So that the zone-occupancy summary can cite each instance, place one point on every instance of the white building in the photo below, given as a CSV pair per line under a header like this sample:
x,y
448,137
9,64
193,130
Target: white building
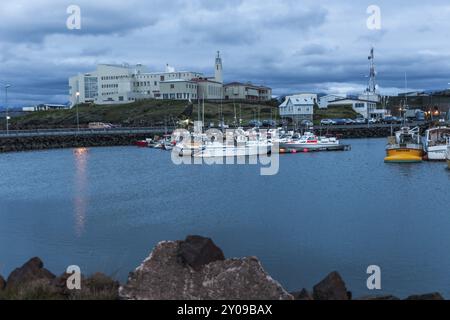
x,y
364,107
325,100
46,107
247,91
179,89
117,84
299,107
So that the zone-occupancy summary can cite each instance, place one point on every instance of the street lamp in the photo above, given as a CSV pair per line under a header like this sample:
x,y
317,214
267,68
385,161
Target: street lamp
x,y
78,117
7,108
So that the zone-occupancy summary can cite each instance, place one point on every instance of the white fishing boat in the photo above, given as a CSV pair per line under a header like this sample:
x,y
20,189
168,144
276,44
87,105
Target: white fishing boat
x,y
436,142
448,157
311,142
222,150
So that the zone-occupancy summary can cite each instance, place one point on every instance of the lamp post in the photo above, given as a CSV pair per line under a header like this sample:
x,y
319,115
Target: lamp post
x,y
78,117
7,108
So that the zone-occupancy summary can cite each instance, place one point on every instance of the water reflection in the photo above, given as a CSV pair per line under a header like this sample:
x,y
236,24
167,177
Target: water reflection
x,y
80,196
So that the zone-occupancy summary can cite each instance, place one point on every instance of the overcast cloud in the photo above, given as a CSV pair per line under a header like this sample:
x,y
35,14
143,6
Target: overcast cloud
x,y
290,45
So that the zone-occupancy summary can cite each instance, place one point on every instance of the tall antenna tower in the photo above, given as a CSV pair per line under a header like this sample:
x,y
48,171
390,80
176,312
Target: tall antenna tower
x,y
372,87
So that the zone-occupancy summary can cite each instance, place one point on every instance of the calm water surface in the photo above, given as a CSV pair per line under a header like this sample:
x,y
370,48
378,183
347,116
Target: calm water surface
x,y
105,209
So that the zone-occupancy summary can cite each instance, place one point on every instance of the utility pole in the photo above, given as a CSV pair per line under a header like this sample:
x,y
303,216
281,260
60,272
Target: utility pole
x,y
7,108
78,117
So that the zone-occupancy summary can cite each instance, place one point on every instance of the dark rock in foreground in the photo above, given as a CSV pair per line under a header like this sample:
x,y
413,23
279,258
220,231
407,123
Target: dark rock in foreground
x,y
2,283
331,288
162,276
31,271
379,297
428,296
197,252
302,295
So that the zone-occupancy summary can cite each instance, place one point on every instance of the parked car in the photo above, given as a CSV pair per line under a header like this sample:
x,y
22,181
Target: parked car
x,y
269,123
340,122
361,121
255,123
307,123
349,121
373,121
99,125
392,120
327,122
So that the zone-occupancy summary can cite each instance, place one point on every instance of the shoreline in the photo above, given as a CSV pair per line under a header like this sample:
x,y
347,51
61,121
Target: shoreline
x,y
35,143
172,264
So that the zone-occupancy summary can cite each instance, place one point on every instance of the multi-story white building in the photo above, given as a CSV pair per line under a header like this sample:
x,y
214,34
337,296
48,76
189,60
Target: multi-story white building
x,y
299,107
247,91
179,89
111,84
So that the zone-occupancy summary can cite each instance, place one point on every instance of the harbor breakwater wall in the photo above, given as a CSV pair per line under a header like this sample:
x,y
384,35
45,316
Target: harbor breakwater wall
x,y
55,141
16,144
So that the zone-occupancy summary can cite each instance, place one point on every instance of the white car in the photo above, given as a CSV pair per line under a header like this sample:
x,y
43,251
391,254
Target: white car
x,y
327,122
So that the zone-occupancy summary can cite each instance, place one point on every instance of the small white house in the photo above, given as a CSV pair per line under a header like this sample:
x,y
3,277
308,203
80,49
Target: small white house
x,y
298,107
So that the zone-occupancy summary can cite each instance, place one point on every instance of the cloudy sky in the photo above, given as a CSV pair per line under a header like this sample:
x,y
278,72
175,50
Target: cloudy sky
x,y
290,45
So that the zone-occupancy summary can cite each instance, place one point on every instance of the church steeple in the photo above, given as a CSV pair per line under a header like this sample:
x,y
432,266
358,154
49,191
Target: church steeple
x,y
218,69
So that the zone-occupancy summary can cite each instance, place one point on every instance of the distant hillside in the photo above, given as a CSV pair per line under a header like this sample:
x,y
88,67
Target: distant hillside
x,y
144,113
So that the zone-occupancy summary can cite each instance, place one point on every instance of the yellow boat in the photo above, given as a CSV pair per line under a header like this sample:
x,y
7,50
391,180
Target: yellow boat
x,y
404,147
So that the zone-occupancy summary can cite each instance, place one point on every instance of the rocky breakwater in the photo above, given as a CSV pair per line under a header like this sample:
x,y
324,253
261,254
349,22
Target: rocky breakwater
x,y
15,144
34,282
193,269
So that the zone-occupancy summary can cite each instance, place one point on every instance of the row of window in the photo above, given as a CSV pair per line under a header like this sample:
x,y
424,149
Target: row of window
x,y
145,84
179,96
108,86
114,77
169,75
298,109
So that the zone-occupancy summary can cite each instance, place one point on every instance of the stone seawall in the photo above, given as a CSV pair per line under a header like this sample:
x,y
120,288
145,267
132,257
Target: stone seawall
x,y
15,144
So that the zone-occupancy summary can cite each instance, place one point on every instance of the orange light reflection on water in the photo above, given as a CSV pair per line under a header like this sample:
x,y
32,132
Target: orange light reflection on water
x,y
81,183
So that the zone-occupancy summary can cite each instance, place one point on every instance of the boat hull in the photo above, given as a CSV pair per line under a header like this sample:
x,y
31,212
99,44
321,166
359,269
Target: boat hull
x,y
231,152
437,153
403,155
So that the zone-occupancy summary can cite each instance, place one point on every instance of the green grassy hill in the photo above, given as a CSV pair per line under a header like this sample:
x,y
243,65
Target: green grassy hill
x,y
144,113
339,112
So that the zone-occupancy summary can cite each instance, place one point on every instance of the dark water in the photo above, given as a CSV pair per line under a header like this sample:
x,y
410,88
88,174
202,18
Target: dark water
x,y
104,210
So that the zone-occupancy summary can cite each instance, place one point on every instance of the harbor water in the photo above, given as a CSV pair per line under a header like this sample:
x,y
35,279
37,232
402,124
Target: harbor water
x,y
104,209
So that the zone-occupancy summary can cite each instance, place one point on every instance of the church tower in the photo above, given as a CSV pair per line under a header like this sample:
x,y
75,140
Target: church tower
x,y
218,76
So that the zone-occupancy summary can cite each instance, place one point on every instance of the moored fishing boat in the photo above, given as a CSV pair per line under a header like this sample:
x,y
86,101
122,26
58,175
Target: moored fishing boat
x,y
404,147
311,142
448,157
436,143
144,143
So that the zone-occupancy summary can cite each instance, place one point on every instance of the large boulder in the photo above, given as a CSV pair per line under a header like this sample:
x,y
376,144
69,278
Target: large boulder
x,y
302,295
331,288
198,251
2,283
31,271
428,296
164,276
